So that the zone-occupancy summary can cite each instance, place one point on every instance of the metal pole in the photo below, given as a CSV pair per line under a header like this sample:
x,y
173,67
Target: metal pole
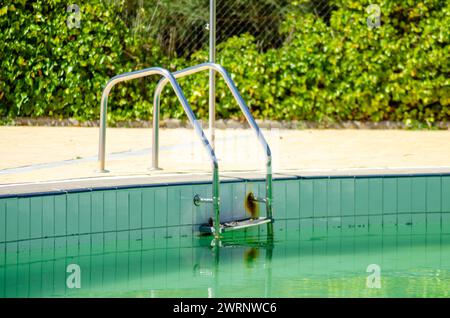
x,y
155,136
102,141
212,77
216,202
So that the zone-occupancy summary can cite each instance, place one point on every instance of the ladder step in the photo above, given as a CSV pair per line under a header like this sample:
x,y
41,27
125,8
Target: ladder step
x,y
236,225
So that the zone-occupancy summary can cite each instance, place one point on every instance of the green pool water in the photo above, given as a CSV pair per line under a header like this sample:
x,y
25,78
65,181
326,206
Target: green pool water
x,y
247,264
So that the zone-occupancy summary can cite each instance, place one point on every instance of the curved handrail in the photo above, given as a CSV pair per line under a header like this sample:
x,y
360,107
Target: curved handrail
x,y
176,87
139,74
244,108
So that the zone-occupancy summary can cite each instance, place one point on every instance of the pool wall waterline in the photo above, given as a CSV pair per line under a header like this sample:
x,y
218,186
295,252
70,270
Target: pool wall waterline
x,y
316,206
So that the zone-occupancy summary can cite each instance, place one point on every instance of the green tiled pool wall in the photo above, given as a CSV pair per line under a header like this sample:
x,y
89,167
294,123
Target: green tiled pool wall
x,y
146,234
314,207
361,206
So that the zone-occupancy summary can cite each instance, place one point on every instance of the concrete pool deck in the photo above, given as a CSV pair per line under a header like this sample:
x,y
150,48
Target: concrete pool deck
x,y
34,159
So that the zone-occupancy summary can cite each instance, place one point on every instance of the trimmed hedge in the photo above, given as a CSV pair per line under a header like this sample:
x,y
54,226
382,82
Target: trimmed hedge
x,y
50,69
327,70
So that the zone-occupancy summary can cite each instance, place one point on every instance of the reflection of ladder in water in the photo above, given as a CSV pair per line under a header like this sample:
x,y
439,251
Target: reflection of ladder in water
x,y
214,227
250,247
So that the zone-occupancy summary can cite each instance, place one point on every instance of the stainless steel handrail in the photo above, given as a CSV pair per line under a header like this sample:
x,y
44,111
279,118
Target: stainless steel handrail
x,y
237,96
168,77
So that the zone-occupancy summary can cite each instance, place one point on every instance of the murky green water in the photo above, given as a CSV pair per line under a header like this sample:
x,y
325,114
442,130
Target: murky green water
x,y
135,264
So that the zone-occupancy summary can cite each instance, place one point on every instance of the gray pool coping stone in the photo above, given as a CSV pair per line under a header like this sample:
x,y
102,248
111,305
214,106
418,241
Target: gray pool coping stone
x,y
129,182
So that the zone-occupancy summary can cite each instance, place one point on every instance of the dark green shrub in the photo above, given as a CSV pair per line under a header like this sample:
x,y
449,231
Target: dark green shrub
x,y
339,69
48,68
398,71
329,68
342,70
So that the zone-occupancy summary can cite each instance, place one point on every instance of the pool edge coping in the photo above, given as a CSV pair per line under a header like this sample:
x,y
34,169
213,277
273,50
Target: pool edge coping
x,y
26,190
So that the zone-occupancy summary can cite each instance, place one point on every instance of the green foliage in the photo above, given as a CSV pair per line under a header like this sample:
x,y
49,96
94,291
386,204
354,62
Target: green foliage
x,y
329,68
339,69
50,69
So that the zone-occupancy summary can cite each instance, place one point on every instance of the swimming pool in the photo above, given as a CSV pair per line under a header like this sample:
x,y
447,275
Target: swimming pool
x,y
342,236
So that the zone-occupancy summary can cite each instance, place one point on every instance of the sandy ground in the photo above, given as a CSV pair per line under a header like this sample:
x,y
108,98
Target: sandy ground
x,y
35,154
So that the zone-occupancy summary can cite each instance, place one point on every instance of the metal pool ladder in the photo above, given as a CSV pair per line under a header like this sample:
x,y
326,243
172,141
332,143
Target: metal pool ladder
x,y
215,227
